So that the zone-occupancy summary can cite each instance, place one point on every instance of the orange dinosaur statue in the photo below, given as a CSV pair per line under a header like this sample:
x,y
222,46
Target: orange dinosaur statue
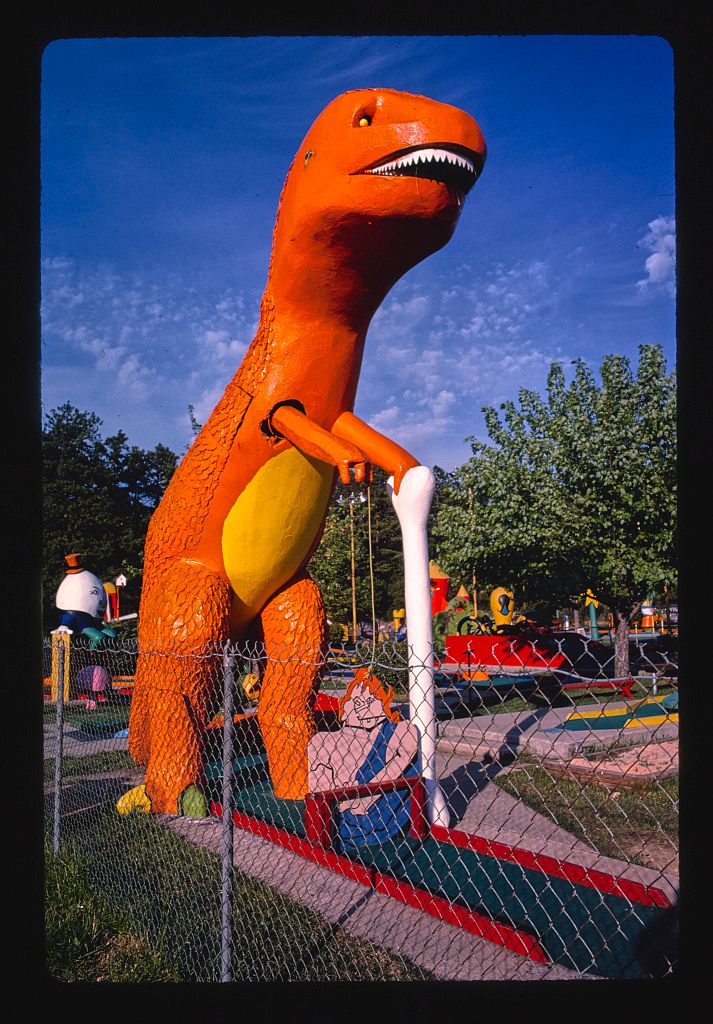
x,y
376,186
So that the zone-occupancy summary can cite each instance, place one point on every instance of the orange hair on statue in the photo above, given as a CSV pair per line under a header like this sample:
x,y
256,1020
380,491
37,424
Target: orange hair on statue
x,y
365,677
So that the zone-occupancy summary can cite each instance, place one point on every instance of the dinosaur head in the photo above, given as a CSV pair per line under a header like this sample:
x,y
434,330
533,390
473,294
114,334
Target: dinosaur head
x,y
376,186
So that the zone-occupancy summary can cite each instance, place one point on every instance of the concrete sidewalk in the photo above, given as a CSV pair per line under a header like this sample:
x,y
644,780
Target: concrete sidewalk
x,y
76,743
450,953
471,753
443,949
538,732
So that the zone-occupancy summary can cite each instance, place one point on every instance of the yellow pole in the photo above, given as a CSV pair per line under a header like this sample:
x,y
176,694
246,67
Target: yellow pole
x,y
57,639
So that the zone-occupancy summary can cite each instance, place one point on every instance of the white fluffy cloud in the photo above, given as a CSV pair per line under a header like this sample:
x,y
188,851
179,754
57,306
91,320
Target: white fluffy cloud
x,y
206,402
434,359
660,265
143,337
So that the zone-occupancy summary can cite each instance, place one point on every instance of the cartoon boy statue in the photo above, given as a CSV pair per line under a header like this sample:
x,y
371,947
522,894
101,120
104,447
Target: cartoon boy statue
x,y
372,745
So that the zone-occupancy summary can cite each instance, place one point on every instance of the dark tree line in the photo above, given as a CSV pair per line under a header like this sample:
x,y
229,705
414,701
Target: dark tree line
x,y
98,496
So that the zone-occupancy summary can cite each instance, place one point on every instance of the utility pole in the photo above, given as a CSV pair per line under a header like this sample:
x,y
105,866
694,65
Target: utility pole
x,y
351,528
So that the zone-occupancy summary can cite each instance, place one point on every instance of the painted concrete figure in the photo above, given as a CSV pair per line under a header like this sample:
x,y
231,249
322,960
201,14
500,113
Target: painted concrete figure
x,y
81,600
376,186
93,684
373,745
501,605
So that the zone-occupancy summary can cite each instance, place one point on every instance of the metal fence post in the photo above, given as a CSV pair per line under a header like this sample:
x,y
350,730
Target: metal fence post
x,y
59,750
227,871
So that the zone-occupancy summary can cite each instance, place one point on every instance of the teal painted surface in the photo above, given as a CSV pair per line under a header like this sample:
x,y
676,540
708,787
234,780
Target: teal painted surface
x,y
577,926
614,721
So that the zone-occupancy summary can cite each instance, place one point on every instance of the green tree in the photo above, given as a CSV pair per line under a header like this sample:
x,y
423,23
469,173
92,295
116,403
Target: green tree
x,y
577,489
331,563
98,497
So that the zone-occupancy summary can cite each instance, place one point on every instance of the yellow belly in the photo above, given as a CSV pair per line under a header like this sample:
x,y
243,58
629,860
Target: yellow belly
x,y
271,527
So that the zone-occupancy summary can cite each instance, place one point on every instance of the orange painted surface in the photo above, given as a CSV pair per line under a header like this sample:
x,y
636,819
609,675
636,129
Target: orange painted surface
x,y
294,626
345,233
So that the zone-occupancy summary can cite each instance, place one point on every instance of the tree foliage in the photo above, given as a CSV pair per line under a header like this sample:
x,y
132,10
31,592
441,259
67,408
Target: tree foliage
x,y
331,563
576,489
98,496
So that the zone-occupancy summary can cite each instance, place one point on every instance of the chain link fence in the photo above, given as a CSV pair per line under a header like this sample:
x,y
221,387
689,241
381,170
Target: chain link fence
x,y
284,818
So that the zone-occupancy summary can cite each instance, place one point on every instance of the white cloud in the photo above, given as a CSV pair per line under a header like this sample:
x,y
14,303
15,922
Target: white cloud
x,y
218,344
208,401
386,418
106,357
134,376
395,319
437,356
57,263
140,347
660,265
147,332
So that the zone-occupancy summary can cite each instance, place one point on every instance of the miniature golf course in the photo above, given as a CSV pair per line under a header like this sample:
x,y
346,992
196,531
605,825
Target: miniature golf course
x,y
549,910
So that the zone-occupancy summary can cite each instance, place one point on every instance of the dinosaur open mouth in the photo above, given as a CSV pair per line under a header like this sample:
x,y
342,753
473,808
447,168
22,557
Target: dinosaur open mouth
x,y
455,166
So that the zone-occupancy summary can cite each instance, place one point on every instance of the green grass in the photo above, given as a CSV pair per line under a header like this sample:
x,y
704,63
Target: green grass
x,y
92,764
89,938
115,715
590,812
170,891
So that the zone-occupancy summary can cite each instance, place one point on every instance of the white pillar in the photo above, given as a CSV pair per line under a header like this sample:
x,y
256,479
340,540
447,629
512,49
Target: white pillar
x,y
412,505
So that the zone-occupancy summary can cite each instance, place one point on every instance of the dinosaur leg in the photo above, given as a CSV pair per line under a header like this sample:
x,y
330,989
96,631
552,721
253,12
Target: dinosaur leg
x,y
187,613
294,625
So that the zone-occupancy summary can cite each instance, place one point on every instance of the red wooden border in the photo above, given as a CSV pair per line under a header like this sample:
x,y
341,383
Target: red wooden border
x,y
312,849
469,920
318,819
320,806
623,685
438,907
279,836
636,892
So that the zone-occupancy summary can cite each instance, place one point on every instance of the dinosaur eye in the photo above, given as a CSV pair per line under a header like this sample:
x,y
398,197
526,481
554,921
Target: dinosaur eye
x,y
364,121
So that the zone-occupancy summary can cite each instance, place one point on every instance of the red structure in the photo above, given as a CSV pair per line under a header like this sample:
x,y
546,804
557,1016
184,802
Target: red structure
x,y
439,588
562,655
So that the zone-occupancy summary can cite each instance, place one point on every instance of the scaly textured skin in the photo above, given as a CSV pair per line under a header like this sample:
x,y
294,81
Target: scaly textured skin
x,y
295,629
224,553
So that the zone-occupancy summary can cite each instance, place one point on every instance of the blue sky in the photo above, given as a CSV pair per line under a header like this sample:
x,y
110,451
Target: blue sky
x,y
162,162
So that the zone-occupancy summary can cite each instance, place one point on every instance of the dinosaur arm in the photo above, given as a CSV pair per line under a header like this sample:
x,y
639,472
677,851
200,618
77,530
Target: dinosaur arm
x,y
379,449
313,440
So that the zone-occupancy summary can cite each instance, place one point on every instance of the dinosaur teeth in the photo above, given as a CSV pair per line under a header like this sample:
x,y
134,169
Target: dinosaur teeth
x,y
424,156
450,166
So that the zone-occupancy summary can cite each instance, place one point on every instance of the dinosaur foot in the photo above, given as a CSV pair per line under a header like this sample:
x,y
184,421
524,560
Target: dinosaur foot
x,y
136,801
192,803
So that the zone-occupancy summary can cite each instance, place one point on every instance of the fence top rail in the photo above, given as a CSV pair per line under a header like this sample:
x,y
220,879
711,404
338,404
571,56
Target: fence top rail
x,y
588,662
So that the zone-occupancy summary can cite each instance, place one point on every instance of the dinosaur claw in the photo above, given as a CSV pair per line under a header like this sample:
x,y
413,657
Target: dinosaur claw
x,y
192,803
136,801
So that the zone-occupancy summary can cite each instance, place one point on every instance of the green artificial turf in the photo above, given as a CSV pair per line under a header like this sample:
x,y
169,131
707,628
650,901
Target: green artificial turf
x,y
579,927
